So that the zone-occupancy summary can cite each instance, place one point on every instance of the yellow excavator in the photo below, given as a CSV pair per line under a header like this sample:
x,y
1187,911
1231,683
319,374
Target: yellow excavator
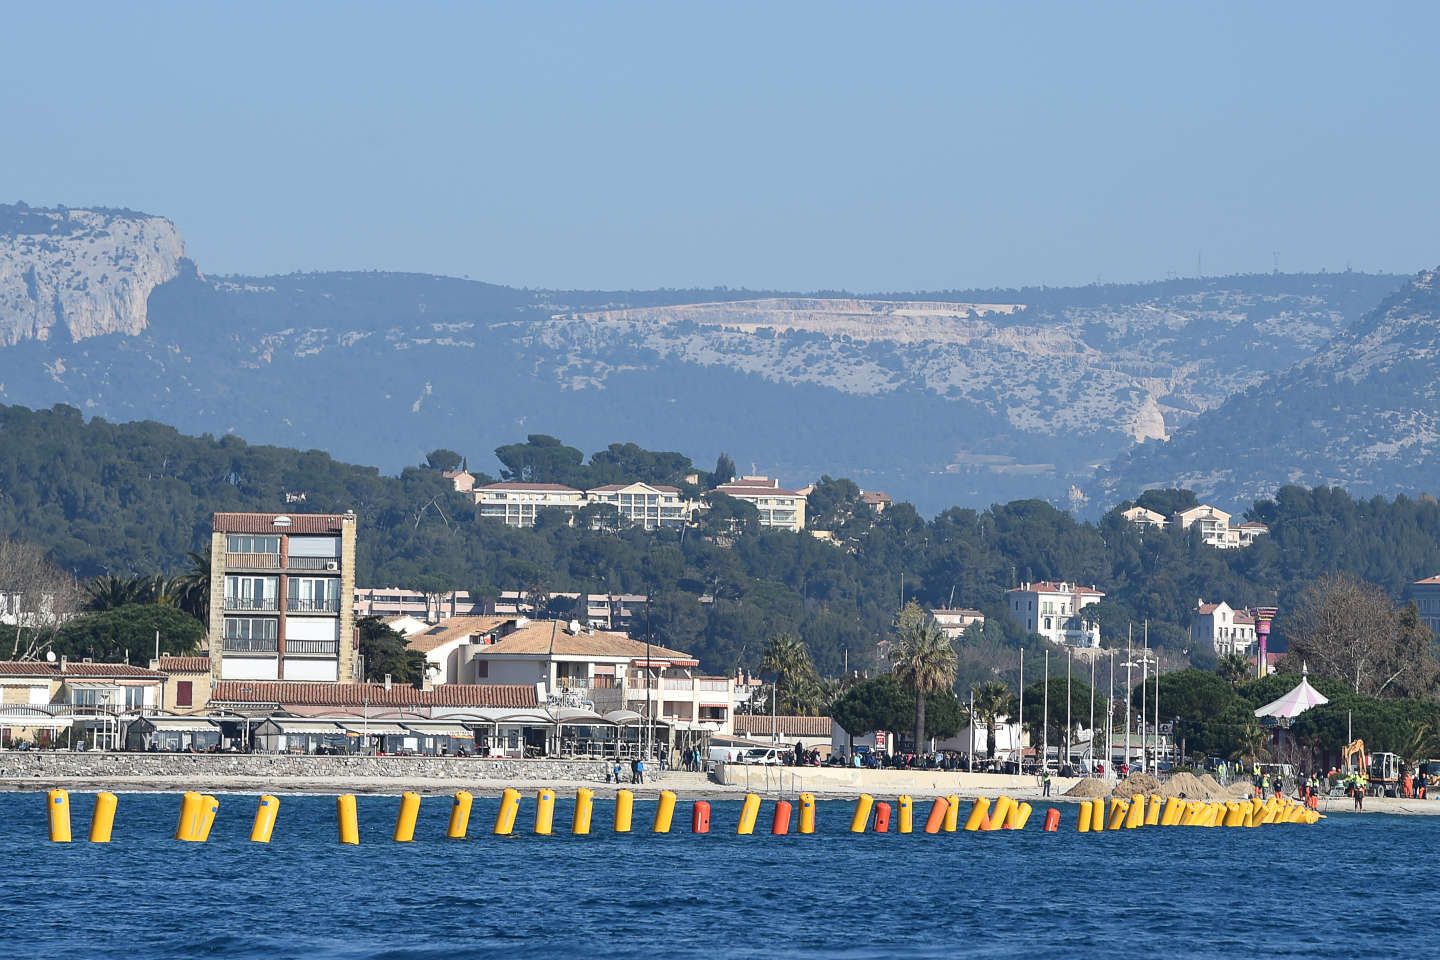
x,y
1353,759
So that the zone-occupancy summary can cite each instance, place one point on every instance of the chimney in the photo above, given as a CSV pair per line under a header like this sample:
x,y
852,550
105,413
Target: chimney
x,y
63,661
387,683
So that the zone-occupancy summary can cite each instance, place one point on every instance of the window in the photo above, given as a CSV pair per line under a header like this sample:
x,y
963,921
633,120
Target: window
x,y
184,693
134,697
246,544
482,669
251,628
251,593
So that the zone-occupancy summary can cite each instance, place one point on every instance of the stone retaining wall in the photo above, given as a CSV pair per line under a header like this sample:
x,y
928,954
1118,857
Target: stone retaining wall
x,y
131,767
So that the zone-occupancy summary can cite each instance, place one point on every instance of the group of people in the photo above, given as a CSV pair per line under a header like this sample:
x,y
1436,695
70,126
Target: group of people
x,y
637,771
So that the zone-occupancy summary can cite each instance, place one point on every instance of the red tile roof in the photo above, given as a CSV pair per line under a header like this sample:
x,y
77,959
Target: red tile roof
x,y
454,628
757,725
1207,608
615,487
76,671
515,485
300,694
265,522
1049,586
183,664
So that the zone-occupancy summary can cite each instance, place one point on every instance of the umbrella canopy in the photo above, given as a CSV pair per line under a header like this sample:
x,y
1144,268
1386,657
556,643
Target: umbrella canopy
x,y
1294,703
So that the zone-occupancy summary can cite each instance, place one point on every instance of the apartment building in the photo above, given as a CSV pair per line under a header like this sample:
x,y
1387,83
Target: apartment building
x,y
778,506
644,505
1142,517
1216,529
515,504
387,602
579,668
1054,610
1223,628
281,601
955,621
1426,594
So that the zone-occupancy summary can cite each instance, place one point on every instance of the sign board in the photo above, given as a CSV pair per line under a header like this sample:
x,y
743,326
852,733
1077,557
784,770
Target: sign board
x,y
881,739
1167,728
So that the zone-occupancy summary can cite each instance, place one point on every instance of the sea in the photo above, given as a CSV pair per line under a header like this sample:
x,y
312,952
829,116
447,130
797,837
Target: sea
x,y
1349,886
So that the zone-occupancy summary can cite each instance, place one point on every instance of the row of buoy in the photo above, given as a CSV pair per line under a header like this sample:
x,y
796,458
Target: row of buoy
x,y
198,812
1157,811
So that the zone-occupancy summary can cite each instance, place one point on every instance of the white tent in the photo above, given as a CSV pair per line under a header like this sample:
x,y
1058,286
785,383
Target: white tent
x,y
1294,703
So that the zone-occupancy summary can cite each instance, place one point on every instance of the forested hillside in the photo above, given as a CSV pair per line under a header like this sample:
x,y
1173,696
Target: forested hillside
x,y
103,498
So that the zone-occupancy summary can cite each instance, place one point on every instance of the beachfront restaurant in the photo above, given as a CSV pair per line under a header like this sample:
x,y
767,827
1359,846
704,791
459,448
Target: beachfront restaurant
x,y
302,735
172,735
412,738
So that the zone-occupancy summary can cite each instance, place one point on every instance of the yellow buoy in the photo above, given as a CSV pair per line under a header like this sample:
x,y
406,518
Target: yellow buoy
x,y
405,818
209,809
509,810
1097,816
905,819
1020,816
1170,816
749,810
978,812
544,812
189,823
460,815
664,812
1118,810
584,810
807,813
265,813
348,821
861,817
1135,816
995,819
58,802
624,810
102,820
1082,823
1152,811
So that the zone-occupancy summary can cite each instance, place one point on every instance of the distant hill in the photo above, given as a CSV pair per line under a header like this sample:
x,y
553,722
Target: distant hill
x,y
952,397
1363,413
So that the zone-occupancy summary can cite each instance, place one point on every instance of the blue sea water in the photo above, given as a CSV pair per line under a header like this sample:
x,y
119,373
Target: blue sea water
x,y
1268,892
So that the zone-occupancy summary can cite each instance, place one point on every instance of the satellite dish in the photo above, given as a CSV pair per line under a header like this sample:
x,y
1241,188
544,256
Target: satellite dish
x,y
50,655
574,627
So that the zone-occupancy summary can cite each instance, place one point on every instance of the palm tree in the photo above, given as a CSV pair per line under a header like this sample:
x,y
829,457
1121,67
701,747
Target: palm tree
x,y
993,700
110,591
923,660
1233,668
796,685
191,590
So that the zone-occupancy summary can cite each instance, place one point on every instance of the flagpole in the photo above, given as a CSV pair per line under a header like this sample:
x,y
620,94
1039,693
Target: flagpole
x,y
1045,720
1129,663
1094,656
1021,768
1067,706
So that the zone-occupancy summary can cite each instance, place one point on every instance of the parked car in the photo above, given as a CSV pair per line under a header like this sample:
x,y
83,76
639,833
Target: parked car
x,y
764,756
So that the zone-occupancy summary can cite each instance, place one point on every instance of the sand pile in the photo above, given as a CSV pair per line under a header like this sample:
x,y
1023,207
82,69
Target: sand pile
x,y
1187,785
1089,789
1137,783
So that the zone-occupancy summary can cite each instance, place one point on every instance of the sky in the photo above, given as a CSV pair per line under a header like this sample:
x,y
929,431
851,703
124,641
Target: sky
x,y
794,146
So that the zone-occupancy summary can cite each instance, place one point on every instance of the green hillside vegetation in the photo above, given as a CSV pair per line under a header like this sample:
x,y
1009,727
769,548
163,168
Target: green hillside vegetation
x,y
136,499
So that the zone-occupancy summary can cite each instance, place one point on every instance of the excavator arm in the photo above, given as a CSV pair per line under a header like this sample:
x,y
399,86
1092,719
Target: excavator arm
x,y
1353,756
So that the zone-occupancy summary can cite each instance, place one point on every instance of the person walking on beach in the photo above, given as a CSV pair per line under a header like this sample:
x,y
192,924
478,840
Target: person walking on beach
x,y
1046,782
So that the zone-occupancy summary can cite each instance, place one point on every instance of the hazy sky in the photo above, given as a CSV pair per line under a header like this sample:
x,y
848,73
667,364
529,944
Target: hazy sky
x,y
783,145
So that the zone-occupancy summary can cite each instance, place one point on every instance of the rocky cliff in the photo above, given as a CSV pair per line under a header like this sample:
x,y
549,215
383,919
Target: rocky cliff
x,y
74,274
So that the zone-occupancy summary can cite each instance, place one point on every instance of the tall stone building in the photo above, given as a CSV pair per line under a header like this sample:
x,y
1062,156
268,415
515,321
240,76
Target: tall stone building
x,y
280,597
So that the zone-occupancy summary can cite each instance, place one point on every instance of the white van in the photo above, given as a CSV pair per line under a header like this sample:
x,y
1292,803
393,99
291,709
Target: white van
x,y
763,756
726,754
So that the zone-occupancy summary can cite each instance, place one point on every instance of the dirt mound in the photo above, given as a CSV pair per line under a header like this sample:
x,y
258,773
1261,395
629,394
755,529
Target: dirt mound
x,y
1187,785
1137,783
1089,789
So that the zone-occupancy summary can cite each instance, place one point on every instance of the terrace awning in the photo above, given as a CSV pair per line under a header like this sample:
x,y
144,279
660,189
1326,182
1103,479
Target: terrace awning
x,y
440,730
373,729
1294,703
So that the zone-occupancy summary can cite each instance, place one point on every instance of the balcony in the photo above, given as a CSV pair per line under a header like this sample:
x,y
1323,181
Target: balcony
x,y
252,561
260,645
311,648
308,605
269,604
314,563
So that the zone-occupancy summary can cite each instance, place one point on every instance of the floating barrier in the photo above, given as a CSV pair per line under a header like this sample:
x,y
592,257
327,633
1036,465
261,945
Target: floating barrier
x,y
975,821
1052,818
1152,811
882,817
906,814
807,813
58,809
1097,816
460,815
1135,816
1082,821
102,818
189,823
700,817
664,812
861,817
624,810
952,813
939,810
406,816
749,810
209,810
265,813
544,813
584,811
509,810
995,819
780,823
348,822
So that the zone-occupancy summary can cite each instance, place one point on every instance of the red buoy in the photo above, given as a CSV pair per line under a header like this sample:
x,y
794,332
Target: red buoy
x,y
1052,820
781,824
882,817
700,817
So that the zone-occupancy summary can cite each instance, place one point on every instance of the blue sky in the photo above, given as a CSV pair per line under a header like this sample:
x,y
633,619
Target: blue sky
x,y
793,145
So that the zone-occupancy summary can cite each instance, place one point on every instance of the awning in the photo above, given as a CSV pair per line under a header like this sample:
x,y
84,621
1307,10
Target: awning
x,y
623,716
374,729
180,724
301,726
441,730
576,715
